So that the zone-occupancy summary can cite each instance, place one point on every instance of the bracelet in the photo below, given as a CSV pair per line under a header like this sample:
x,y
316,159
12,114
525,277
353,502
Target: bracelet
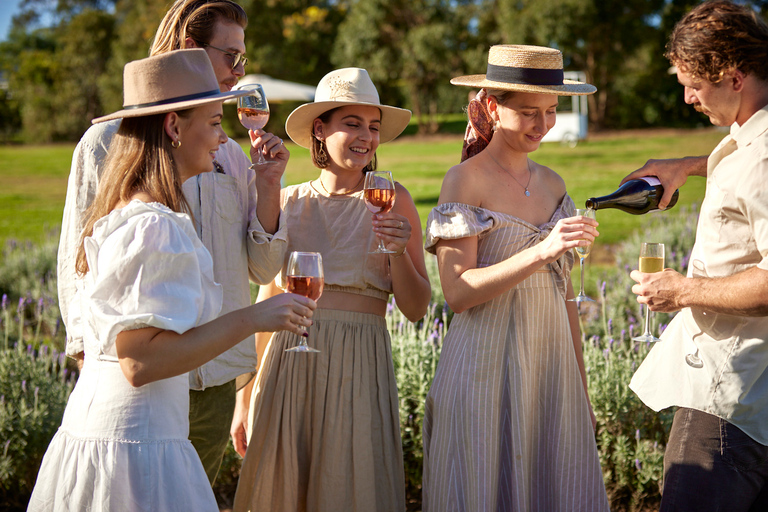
x,y
396,256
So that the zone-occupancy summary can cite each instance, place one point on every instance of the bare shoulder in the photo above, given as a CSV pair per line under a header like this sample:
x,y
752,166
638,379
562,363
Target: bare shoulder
x,y
550,179
463,183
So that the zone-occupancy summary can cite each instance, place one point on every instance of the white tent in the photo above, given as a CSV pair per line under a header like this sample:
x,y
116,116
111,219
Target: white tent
x,y
279,90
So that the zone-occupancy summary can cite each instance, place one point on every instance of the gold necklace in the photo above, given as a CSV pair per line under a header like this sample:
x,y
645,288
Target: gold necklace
x,y
350,191
530,174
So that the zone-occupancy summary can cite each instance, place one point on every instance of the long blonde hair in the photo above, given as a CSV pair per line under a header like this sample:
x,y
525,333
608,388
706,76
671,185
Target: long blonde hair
x,y
140,159
195,19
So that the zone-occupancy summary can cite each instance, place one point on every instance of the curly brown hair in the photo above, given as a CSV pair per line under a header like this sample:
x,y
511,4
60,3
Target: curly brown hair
x,y
718,36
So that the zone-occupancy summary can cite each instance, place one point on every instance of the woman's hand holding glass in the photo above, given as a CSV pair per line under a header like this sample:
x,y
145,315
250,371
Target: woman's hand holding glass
x,y
379,194
305,276
568,234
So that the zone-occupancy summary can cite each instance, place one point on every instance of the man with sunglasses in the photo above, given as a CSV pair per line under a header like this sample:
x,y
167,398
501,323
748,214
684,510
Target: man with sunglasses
x,y
245,237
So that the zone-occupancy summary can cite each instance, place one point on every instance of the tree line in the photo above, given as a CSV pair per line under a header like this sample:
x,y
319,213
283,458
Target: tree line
x,y
63,59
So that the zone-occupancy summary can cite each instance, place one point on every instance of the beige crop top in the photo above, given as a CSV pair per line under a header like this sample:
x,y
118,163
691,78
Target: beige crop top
x,y
340,229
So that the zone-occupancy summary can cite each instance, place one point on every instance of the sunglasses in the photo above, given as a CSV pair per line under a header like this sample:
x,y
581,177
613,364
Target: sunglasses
x,y
236,57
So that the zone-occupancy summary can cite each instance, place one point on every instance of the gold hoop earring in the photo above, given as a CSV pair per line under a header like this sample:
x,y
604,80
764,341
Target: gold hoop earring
x,y
176,144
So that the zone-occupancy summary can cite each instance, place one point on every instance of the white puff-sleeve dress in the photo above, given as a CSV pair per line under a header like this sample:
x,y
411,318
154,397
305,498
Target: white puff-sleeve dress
x,y
119,447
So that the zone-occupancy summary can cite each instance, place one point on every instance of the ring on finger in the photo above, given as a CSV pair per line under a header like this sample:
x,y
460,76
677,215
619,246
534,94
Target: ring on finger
x,y
401,225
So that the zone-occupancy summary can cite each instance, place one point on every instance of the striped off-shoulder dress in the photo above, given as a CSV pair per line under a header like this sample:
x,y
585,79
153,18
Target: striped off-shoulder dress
x,y
507,425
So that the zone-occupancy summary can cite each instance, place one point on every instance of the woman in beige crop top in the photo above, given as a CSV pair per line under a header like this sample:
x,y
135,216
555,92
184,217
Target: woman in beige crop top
x,y
324,428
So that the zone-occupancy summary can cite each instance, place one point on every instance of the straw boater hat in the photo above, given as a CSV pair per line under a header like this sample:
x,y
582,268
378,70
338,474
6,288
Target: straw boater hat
x,y
169,82
341,88
521,68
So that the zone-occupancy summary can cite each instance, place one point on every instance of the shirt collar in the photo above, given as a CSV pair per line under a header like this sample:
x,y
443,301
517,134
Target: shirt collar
x,y
753,128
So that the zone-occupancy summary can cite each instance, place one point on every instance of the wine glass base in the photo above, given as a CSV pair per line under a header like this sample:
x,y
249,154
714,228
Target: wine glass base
x,y
301,348
256,165
581,298
385,251
648,338
694,361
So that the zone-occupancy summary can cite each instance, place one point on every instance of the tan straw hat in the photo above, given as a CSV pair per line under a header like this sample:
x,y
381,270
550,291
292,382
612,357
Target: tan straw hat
x,y
521,68
341,88
169,82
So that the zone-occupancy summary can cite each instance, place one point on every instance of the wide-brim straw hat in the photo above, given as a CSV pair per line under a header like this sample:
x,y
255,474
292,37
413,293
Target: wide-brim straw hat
x,y
169,82
521,68
343,88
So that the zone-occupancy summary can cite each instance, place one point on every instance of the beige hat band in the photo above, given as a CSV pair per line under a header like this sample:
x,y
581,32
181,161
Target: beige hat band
x,y
177,99
528,76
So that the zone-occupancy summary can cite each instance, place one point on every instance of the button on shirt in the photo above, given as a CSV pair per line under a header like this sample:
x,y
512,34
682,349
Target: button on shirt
x,y
731,237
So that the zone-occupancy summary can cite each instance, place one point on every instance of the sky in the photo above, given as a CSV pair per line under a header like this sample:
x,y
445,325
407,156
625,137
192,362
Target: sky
x,y
7,9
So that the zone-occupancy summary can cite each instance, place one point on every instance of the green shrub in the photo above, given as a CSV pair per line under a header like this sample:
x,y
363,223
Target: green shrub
x,y
34,387
28,282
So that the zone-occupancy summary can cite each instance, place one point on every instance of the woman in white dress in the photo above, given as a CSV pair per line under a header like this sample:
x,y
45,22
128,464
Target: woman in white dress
x,y
149,305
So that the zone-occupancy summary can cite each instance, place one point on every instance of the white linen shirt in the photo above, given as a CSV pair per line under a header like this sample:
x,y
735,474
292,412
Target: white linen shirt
x,y
224,209
731,237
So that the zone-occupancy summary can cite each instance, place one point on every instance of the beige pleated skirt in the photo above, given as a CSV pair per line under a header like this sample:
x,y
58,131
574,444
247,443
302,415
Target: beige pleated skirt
x,y
325,432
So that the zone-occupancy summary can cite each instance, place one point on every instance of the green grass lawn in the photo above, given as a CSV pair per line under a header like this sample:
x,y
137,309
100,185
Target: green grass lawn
x,y
33,179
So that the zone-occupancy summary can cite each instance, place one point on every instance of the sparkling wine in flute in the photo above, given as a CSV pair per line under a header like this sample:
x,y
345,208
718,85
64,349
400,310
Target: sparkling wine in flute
x,y
583,252
651,261
379,200
308,286
252,118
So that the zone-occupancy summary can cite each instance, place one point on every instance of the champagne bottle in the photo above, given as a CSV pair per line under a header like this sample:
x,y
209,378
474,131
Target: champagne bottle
x,y
635,196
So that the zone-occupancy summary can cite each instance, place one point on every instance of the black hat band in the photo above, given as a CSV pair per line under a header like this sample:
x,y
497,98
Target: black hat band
x,y
527,76
177,99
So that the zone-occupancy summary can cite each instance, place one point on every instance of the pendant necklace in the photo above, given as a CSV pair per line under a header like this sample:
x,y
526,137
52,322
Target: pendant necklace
x,y
353,189
530,174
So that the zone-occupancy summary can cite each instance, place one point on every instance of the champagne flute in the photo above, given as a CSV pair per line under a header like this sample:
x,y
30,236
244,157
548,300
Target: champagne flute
x,y
305,277
253,112
651,260
582,252
379,196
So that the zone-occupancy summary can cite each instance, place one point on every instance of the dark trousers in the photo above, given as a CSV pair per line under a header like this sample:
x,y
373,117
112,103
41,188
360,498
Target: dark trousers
x,y
711,465
210,418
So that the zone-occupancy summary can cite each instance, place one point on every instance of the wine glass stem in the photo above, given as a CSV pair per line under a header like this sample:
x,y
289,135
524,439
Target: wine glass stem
x,y
581,287
647,320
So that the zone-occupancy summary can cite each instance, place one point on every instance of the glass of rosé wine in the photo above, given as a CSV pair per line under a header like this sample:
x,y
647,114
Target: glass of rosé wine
x,y
304,276
253,112
379,193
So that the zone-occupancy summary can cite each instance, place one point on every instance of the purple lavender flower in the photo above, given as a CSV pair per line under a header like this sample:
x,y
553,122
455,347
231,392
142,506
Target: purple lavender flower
x,y
637,434
5,302
22,303
24,386
638,465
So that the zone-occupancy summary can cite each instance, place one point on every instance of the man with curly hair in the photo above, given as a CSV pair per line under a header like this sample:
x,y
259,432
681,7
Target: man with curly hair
x,y
712,362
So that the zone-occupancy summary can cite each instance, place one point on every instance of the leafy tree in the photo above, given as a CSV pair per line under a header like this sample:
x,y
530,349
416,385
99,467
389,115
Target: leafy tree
x,y
410,49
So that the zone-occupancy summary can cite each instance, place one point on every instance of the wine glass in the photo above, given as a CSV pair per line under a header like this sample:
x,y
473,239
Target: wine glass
x,y
379,195
253,112
582,252
651,260
305,277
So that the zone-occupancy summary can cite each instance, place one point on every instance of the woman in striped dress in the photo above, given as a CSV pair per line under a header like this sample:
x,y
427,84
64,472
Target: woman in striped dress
x,y
508,421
